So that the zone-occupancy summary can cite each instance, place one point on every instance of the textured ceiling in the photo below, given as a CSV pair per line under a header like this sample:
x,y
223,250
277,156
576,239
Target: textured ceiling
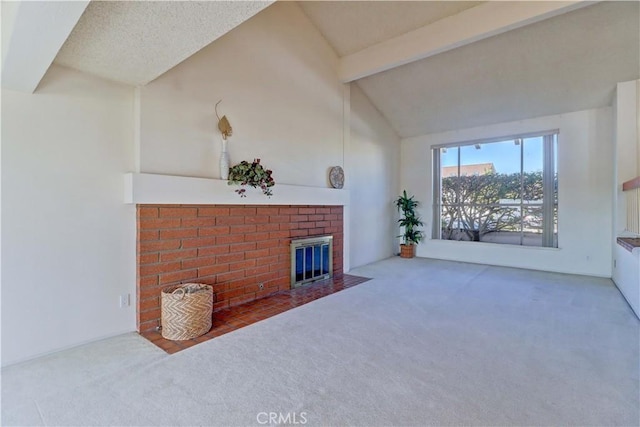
x,y
567,63
350,26
136,41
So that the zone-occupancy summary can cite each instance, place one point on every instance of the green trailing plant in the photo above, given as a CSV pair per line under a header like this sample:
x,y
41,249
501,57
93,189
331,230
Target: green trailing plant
x,y
251,174
410,220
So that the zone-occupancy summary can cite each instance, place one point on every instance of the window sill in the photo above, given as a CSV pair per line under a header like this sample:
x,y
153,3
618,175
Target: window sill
x,y
493,245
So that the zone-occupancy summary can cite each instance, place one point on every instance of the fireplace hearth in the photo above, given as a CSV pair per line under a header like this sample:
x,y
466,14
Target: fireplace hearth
x,y
242,251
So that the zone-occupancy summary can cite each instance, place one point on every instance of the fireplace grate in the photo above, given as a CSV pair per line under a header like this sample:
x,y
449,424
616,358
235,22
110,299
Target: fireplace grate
x,y
311,260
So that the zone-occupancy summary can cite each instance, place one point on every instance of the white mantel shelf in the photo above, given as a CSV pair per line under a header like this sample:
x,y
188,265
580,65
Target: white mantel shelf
x,y
146,188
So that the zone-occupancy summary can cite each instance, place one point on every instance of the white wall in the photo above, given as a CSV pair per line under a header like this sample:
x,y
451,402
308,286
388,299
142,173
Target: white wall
x,y
68,240
277,78
585,173
9,12
374,183
626,273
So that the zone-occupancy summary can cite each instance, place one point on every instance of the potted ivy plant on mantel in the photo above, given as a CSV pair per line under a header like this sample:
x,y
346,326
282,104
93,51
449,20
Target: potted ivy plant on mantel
x,y
253,175
409,222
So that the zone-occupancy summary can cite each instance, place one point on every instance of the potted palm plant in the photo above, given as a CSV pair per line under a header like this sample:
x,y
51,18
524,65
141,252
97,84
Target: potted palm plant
x,y
410,222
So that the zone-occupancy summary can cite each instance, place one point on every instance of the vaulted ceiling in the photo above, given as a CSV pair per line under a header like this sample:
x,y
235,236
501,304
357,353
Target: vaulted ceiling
x,y
136,41
428,66
130,42
350,26
567,63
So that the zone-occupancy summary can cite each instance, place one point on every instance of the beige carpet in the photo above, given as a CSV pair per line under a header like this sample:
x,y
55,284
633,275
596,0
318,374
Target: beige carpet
x,y
424,343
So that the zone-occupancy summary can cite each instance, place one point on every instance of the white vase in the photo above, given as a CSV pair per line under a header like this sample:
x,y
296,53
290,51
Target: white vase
x,y
224,161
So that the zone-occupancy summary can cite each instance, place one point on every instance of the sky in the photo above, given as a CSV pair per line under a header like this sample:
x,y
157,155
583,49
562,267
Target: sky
x,y
505,155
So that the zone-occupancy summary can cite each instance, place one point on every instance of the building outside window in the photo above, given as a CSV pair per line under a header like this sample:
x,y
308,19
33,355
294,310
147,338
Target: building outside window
x,y
497,191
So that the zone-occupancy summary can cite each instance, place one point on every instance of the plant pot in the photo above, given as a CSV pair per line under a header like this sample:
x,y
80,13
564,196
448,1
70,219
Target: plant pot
x,y
407,251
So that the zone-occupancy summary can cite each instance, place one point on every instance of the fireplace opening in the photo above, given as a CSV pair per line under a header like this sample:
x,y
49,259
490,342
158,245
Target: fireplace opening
x,y
311,260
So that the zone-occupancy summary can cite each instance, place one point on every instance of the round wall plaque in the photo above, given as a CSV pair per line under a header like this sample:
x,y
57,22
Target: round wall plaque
x,y
336,177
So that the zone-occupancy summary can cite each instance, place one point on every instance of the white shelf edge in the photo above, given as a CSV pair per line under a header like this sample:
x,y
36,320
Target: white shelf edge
x,y
146,188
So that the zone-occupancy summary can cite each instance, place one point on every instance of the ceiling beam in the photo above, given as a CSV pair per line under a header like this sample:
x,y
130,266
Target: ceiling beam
x,y
39,29
479,22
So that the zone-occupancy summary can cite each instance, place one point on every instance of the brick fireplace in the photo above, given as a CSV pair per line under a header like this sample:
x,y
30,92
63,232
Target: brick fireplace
x,y
241,250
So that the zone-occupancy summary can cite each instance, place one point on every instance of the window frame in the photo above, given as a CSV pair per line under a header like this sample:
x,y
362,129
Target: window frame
x,y
550,144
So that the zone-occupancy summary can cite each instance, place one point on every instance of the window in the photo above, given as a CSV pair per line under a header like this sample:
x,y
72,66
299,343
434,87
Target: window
x,y
498,191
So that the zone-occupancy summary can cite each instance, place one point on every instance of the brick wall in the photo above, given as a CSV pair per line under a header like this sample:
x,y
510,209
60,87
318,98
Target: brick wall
x,y
233,248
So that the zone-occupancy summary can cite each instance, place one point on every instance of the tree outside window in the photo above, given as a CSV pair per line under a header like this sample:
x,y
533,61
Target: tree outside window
x,y
498,191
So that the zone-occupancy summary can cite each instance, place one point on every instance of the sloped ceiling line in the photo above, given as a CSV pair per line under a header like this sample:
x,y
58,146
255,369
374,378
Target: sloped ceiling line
x,y
551,66
35,32
470,25
134,42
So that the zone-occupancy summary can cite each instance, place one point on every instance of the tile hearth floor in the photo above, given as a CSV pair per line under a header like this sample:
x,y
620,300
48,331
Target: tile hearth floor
x,y
237,317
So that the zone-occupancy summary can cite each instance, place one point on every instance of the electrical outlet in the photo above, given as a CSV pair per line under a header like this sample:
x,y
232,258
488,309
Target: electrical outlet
x,y
125,300
261,286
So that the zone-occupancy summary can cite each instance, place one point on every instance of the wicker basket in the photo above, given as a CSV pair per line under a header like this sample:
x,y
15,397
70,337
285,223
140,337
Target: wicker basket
x,y
186,311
